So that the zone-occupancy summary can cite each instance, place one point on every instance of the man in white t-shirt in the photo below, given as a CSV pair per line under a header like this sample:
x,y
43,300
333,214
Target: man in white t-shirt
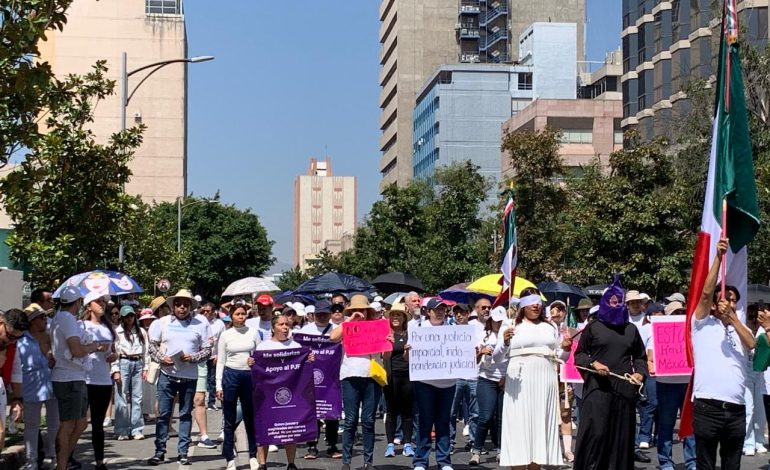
x,y
261,322
209,310
720,343
179,343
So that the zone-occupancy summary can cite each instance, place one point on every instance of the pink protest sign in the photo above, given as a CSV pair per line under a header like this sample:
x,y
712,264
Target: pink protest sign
x,y
569,373
670,356
366,337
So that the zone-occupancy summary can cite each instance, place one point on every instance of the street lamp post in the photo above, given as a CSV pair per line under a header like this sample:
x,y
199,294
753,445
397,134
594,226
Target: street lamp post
x,y
125,97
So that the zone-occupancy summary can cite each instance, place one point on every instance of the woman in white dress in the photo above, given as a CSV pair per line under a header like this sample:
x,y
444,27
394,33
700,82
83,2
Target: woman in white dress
x,y
530,437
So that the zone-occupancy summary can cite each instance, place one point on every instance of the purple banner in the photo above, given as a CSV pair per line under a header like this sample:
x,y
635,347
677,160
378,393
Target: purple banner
x,y
326,374
284,401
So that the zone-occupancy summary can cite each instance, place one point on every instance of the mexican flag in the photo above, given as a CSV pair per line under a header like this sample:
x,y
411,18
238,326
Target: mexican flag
x,y
730,179
510,251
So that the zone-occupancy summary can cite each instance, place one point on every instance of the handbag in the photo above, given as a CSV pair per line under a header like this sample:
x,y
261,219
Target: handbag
x,y
377,372
153,372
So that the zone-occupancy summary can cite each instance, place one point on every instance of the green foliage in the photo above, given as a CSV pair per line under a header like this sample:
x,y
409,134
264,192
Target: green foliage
x,y
66,198
221,243
292,278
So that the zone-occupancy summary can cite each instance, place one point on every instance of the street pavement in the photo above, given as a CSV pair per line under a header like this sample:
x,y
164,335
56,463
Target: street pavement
x,y
133,454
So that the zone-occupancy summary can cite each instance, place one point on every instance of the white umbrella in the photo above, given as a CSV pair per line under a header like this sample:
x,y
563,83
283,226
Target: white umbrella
x,y
250,285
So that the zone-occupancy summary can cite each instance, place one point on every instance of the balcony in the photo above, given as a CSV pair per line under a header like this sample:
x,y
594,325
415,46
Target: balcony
x,y
468,33
470,58
494,13
469,7
492,39
499,58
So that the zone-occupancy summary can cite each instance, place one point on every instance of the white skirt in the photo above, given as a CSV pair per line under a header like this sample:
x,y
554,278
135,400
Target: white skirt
x,y
530,413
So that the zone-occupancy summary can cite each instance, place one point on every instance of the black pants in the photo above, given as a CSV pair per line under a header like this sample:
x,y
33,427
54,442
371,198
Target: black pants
x,y
766,401
398,397
98,401
718,426
331,434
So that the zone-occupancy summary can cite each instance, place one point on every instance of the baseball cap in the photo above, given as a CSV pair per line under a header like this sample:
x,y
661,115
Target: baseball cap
x,y
265,299
498,313
463,307
652,309
70,294
434,303
323,307
676,297
673,307
127,310
91,296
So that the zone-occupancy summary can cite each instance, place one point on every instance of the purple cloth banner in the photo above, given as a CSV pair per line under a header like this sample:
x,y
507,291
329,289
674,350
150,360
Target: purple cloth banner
x,y
284,401
326,374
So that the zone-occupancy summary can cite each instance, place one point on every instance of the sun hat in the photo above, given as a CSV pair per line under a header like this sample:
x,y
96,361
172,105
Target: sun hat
x,y
265,299
91,296
498,313
70,294
358,301
584,304
645,296
146,314
183,294
156,303
34,310
126,310
633,295
673,307
399,309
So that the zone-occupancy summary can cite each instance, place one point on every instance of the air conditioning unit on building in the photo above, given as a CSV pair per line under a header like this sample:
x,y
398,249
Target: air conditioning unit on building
x,y
457,26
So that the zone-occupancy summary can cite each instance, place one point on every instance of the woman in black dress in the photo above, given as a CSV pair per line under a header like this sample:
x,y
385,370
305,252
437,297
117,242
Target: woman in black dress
x,y
605,438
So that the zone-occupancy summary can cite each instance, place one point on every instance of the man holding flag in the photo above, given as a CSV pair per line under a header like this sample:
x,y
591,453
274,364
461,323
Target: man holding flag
x,y
717,340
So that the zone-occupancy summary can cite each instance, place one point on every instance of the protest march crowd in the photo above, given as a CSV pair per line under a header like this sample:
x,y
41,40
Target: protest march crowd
x,y
521,378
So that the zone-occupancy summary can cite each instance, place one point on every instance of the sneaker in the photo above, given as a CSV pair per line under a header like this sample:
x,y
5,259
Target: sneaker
x,y
644,445
156,459
475,459
231,465
408,450
123,437
291,466
390,451
272,448
107,422
221,436
447,467
206,443
183,460
484,451
761,449
749,452
418,468
312,453
333,453
466,430
137,437
397,441
212,408
253,463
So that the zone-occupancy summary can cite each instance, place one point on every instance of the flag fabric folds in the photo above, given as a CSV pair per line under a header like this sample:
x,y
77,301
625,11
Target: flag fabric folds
x,y
510,251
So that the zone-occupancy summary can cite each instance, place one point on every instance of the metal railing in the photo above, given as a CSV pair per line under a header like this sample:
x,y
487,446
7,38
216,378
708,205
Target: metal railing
x,y
493,38
493,14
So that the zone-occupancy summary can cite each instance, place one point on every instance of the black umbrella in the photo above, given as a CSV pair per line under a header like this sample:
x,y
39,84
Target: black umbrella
x,y
756,293
567,293
395,282
595,290
333,282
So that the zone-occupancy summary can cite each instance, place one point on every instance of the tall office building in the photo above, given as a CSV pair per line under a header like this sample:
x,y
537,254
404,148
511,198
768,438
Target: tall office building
x,y
148,31
668,43
324,212
417,36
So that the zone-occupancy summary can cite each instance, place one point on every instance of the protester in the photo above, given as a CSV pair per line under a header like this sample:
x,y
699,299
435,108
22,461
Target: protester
x,y
280,339
635,302
233,383
414,307
261,323
359,390
160,307
720,343
481,309
70,348
558,316
531,404
178,342
465,393
149,390
339,298
753,443
99,378
338,314
202,382
434,403
132,366
322,326
33,389
493,363
398,392
610,344
209,310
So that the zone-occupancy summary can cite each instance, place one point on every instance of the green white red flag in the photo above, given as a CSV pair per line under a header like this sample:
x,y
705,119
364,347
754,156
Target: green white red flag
x,y
510,251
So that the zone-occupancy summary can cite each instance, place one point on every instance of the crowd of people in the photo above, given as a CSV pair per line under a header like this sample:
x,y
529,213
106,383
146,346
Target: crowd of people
x,y
80,355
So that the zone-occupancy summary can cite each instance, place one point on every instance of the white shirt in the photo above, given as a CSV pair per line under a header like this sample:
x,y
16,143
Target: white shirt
x,y
720,361
637,320
186,336
315,330
272,345
262,326
67,368
234,349
493,366
99,372
217,326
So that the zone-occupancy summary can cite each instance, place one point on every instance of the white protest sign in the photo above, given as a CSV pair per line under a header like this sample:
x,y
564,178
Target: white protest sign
x,y
442,352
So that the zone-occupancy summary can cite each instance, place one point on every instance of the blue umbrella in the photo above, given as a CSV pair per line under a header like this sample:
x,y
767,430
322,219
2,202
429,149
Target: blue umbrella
x,y
554,290
103,282
334,282
289,296
459,293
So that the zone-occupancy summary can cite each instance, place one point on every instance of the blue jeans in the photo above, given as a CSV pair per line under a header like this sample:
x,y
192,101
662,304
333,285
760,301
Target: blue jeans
x,y
647,412
670,399
236,387
465,391
755,411
128,399
363,393
168,388
489,396
434,406
211,383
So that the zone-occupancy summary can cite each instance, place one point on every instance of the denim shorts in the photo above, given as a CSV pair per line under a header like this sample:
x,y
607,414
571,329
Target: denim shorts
x,y
203,372
72,398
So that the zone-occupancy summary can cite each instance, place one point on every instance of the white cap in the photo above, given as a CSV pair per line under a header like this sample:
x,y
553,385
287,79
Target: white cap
x,y
199,298
310,309
377,306
377,298
91,296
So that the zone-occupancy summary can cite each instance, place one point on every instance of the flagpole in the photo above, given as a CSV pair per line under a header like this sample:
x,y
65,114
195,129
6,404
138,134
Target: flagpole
x,y
723,266
513,278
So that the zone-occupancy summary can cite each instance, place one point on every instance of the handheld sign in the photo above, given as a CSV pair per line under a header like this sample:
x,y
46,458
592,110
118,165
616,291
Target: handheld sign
x,y
366,337
442,352
326,374
570,374
668,333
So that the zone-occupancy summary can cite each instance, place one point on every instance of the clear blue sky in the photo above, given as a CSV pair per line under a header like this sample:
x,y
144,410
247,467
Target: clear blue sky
x,y
292,81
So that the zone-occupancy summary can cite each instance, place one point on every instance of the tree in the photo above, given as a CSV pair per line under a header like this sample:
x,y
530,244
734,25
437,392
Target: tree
x,y
27,85
221,243
66,198
291,279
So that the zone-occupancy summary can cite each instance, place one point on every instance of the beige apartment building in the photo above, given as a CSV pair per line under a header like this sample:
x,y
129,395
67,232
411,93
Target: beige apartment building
x,y
417,36
324,212
148,31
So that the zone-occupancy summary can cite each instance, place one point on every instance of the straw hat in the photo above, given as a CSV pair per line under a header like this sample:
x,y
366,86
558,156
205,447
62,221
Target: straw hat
x,y
156,303
183,294
358,301
399,309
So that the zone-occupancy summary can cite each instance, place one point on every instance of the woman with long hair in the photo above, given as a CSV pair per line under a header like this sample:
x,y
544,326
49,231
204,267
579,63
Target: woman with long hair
x,y
558,316
233,382
132,365
530,427
359,390
490,390
398,391
99,380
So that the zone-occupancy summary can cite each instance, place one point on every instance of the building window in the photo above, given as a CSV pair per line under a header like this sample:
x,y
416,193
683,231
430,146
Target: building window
x,y
577,136
525,81
163,7
618,137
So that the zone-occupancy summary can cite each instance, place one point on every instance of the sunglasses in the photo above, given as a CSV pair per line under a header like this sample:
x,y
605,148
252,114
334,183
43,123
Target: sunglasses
x,y
485,307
